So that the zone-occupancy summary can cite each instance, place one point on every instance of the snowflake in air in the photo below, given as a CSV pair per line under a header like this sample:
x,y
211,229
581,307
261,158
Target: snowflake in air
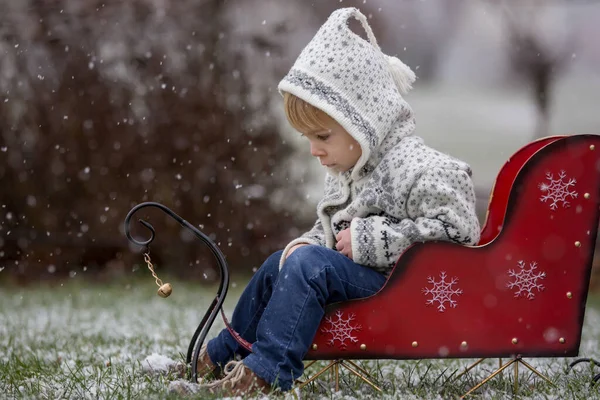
x,y
526,280
442,292
557,190
341,329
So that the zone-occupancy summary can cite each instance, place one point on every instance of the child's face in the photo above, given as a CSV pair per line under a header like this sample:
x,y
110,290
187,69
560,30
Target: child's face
x,y
333,146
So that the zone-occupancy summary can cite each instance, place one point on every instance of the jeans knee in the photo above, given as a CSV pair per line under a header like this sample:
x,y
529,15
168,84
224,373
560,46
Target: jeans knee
x,y
273,259
305,262
271,265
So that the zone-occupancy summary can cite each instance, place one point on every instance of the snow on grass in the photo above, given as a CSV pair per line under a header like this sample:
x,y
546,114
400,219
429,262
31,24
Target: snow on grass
x,y
100,342
157,363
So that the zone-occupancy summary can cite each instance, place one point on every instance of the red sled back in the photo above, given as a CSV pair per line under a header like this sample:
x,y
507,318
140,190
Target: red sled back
x,y
522,291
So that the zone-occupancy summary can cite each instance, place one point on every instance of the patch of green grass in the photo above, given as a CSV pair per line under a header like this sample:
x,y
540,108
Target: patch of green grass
x,y
81,340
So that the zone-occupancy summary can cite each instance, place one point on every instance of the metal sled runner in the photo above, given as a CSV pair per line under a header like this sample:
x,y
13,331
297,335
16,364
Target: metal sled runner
x,y
521,292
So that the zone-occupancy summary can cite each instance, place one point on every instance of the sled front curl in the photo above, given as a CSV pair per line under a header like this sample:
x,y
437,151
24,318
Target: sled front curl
x,y
520,293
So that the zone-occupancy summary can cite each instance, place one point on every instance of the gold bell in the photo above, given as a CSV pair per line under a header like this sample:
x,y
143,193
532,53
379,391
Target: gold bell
x,y
165,290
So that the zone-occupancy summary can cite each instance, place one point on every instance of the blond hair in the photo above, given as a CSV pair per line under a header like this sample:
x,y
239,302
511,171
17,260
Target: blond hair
x,y
304,117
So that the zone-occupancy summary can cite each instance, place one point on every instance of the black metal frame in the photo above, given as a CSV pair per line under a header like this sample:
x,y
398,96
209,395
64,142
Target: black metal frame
x,y
591,361
210,315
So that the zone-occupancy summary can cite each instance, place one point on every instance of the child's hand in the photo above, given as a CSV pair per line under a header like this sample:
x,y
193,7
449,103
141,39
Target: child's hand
x,y
344,243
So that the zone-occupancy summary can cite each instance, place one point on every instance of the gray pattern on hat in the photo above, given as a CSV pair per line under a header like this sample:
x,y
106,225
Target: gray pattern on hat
x,y
331,96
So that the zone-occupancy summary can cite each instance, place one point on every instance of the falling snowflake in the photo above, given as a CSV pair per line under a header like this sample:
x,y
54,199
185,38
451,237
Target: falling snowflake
x,y
341,329
526,280
557,190
442,292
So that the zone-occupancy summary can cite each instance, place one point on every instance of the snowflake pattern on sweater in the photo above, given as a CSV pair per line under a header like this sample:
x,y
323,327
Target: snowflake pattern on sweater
x,y
430,196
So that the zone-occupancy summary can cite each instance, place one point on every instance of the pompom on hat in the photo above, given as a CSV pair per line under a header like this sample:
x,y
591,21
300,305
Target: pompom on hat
x,y
401,73
352,81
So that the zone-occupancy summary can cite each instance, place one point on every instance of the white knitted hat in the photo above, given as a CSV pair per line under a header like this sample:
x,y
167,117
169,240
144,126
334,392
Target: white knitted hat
x,y
352,81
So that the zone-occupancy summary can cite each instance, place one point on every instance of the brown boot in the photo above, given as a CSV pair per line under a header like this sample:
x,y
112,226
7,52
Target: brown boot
x,y
205,367
239,380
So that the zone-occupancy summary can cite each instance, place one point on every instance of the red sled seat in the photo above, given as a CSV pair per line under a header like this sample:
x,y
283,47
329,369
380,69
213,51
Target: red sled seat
x,y
521,292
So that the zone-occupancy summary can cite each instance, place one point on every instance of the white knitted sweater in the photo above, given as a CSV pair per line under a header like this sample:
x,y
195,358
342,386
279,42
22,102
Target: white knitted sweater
x,y
413,194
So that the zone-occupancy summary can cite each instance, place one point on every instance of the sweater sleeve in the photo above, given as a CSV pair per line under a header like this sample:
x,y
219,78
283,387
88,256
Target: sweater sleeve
x,y
315,236
440,206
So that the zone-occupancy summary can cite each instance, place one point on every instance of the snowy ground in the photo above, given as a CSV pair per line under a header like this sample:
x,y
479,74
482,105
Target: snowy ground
x,y
82,341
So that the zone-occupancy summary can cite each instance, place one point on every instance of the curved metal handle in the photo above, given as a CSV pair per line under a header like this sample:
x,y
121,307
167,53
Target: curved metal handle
x,y
586,360
594,363
210,315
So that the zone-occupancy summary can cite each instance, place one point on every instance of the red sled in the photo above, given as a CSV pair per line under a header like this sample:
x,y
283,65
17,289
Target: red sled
x,y
521,292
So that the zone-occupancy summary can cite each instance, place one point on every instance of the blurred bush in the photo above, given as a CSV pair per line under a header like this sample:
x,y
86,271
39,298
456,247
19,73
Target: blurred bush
x,y
107,104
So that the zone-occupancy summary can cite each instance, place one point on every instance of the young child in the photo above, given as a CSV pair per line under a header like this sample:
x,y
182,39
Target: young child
x,y
384,191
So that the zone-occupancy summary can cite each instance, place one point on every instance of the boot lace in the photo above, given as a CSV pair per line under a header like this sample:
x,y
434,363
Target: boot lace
x,y
234,372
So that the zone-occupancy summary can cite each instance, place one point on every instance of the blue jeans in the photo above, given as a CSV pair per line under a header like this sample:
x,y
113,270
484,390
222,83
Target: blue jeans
x,y
280,311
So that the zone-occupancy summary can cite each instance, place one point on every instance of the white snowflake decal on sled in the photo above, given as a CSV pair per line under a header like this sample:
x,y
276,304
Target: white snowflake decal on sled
x,y
442,292
526,280
557,190
341,329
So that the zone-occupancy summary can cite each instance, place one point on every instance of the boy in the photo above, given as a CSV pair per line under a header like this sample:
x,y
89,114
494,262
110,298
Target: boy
x,y
384,191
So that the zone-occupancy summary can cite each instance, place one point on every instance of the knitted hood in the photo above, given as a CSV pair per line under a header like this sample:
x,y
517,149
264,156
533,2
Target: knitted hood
x,y
352,81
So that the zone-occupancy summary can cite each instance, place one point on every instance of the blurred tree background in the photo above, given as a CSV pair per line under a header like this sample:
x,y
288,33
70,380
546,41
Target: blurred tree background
x,y
106,104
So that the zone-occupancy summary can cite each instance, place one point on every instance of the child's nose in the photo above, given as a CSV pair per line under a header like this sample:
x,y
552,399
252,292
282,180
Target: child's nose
x,y
316,151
